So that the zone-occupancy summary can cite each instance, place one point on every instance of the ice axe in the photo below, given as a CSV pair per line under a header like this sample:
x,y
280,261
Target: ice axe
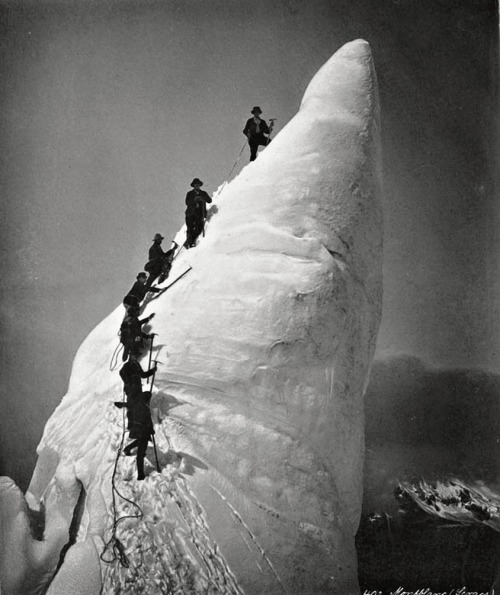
x,y
156,454
156,362
151,355
175,280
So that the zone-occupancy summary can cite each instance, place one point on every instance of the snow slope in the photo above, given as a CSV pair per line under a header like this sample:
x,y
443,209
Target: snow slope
x,y
266,346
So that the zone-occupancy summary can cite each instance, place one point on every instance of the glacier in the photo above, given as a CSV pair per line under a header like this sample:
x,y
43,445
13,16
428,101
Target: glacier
x,y
265,348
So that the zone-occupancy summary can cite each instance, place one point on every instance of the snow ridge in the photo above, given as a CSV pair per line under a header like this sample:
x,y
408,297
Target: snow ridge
x,y
266,346
165,553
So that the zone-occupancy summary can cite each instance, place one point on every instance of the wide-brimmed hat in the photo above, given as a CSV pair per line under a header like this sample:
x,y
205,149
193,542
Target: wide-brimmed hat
x,y
196,181
158,236
139,275
256,109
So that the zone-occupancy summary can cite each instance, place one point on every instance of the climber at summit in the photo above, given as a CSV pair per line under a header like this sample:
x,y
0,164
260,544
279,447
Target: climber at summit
x,y
141,429
255,130
159,262
196,212
138,291
131,334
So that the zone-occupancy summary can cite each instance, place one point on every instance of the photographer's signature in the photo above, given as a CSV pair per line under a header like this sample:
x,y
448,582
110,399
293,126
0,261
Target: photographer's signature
x,y
427,591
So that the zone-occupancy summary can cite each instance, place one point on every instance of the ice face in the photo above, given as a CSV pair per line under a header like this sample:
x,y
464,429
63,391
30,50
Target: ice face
x,y
266,345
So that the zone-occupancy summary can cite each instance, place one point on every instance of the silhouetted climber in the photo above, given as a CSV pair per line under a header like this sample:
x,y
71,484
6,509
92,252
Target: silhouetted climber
x,y
255,130
159,262
132,375
131,334
141,430
196,212
138,291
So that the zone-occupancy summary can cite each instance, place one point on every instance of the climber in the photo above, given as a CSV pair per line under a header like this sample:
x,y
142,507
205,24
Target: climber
x,y
196,212
167,262
141,430
159,262
131,374
138,291
255,130
131,334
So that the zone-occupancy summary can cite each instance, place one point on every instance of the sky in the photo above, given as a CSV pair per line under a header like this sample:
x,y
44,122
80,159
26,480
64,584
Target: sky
x,y
109,109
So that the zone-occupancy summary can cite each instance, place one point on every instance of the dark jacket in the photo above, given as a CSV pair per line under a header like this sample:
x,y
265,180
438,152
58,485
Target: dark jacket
x,y
157,260
196,202
131,374
141,425
131,329
139,291
156,252
251,127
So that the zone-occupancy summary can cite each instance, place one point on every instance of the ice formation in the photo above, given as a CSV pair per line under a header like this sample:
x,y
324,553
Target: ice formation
x,y
258,408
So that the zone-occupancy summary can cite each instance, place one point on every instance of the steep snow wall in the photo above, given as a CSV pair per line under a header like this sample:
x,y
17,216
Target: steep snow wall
x,y
266,346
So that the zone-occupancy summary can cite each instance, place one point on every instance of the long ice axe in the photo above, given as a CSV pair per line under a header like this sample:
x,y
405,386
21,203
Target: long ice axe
x,y
175,280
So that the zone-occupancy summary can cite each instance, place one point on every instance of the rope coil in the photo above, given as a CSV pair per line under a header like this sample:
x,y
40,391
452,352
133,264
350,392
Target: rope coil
x,y
118,550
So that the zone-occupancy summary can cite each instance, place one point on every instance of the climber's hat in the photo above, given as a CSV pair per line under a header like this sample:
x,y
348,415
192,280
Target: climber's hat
x,y
142,275
256,110
196,181
158,236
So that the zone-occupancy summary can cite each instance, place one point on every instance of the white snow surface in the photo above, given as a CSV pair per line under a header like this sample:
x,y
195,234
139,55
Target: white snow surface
x,y
265,348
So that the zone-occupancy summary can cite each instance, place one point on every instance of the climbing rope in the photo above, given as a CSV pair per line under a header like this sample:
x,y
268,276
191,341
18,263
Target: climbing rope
x,y
226,181
236,162
114,549
117,548
272,120
114,358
